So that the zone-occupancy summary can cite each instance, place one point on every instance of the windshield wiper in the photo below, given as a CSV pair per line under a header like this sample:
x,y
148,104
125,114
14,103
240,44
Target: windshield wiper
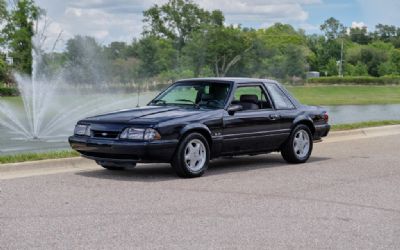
x,y
163,102
186,100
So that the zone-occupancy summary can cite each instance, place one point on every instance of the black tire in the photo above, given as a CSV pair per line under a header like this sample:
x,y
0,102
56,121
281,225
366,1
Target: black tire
x,y
179,164
288,150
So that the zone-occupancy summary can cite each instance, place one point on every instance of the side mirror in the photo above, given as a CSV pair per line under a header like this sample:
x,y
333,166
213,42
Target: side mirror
x,y
234,108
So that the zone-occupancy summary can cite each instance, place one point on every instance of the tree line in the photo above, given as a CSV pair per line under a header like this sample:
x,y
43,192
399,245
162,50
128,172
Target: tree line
x,y
180,40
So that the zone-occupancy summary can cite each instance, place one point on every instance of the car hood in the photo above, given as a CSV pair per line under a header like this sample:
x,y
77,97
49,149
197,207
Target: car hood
x,y
146,115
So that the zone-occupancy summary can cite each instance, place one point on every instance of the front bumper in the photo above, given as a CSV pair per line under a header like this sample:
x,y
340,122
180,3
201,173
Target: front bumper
x,y
123,151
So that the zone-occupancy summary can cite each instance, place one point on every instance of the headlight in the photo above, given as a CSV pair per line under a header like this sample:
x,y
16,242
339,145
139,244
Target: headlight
x,y
140,134
82,129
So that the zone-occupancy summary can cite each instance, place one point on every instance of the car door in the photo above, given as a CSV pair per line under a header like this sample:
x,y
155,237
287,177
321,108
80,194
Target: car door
x,y
251,129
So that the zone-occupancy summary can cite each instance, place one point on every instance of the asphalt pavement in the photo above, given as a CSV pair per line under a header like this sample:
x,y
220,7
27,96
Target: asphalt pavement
x,y
346,197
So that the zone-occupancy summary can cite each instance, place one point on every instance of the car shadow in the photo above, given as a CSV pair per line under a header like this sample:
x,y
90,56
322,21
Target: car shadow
x,y
164,172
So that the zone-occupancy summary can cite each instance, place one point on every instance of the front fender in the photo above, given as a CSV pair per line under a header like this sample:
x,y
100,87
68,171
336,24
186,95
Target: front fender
x,y
194,126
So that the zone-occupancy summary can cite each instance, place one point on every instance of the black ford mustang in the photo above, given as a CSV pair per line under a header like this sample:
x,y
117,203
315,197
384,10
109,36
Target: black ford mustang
x,y
196,120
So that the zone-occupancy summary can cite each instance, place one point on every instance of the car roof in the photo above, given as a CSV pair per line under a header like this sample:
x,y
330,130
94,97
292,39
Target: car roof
x,y
229,79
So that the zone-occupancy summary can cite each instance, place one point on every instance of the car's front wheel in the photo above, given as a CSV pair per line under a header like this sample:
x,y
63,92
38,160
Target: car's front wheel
x,y
192,156
298,148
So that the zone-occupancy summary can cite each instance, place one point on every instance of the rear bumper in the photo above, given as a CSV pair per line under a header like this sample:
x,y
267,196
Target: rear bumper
x,y
123,151
321,131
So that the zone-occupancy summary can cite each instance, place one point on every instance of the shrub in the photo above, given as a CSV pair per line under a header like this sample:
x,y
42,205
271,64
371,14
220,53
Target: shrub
x,y
6,91
357,80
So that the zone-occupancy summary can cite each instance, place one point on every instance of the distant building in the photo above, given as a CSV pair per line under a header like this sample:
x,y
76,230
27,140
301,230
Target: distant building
x,y
6,55
312,74
9,59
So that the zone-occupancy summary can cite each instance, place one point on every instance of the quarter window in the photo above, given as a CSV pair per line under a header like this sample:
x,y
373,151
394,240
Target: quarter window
x,y
279,98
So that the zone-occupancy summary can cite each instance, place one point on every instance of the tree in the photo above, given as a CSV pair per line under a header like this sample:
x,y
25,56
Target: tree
x,y
225,48
329,50
178,19
3,70
3,19
373,57
280,36
85,61
331,68
124,70
333,29
156,55
315,44
295,64
117,50
359,35
360,69
19,31
385,32
195,52
275,66
391,66
220,48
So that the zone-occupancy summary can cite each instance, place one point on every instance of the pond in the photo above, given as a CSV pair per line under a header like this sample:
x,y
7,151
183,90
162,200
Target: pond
x,y
360,113
11,144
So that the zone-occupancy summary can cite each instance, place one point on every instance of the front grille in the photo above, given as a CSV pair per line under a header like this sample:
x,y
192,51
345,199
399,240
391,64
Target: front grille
x,y
105,134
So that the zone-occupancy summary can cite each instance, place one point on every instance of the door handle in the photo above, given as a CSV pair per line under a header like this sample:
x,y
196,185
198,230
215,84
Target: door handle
x,y
274,117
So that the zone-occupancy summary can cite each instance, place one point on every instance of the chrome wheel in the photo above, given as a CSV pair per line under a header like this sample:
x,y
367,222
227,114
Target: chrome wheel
x,y
301,144
195,155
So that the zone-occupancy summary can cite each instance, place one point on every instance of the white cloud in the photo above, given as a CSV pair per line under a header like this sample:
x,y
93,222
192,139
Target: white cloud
x,y
260,10
355,24
358,24
109,20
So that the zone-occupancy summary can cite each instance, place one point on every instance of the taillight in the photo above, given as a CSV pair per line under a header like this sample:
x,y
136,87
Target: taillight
x,y
326,117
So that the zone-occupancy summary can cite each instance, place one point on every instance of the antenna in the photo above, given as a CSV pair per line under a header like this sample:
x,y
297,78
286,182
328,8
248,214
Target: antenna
x,y
138,95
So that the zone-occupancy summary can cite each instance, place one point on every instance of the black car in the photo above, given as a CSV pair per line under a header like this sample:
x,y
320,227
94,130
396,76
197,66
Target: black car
x,y
196,120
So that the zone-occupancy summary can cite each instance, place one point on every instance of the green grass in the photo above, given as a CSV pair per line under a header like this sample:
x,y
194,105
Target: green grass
x,y
36,156
11,99
341,127
346,95
320,95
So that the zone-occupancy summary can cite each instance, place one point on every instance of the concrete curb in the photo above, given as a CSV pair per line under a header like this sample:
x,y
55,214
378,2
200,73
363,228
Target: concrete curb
x,y
79,162
74,162
364,132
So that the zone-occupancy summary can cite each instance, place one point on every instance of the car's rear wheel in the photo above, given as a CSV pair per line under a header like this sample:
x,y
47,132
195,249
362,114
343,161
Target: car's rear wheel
x,y
298,148
192,156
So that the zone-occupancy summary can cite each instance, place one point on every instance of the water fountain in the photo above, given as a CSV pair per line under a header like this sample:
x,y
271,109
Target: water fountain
x,y
50,106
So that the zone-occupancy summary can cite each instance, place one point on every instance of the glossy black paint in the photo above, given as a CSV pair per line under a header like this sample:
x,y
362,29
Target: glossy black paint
x,y
242,132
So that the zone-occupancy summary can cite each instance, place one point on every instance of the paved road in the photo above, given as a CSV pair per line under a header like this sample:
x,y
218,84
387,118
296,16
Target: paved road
x,y
346,197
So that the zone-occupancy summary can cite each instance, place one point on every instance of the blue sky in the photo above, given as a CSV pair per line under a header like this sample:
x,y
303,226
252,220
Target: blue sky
x,y
369,12
110,20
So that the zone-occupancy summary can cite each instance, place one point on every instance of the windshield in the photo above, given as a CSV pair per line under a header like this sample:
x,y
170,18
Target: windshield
x,y
196,94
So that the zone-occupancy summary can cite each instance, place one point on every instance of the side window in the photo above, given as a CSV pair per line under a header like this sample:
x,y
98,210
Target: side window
x,y
251,98
279,98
